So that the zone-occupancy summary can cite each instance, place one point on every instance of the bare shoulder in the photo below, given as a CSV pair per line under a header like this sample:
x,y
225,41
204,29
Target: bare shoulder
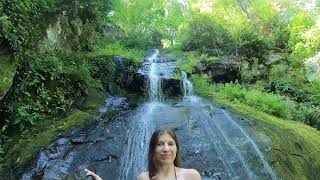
x,y
190,174
143,176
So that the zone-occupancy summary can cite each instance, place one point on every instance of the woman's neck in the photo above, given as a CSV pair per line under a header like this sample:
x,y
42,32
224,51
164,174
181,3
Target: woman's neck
x,y
166,170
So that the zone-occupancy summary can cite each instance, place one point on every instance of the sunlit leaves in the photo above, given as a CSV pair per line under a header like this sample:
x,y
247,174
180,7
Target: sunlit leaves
x,y
146,23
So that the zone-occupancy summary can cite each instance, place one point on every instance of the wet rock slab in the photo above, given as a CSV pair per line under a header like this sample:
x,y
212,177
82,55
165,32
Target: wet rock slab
x,y
96,146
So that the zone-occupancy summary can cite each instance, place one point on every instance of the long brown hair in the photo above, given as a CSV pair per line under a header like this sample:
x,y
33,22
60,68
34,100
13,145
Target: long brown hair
x,y
152,146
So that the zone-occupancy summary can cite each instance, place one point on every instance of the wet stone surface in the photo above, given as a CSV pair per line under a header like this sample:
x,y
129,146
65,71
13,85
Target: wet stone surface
x,y
97,146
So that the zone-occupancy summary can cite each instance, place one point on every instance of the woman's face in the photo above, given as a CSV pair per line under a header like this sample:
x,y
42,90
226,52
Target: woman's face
x,y
166,150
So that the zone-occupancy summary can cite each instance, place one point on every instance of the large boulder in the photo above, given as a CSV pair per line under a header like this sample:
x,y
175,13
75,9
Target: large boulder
x,y
222,70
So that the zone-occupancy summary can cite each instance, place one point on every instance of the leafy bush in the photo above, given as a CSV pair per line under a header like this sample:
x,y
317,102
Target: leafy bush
x,y
254,45
47,84
232,91
278,70
285,86
270,103
23,23
19,25
189,64
202,84
313,118
205,34
103,69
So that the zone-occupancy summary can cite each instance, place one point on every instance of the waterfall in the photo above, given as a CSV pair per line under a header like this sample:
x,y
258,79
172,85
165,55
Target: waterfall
x,y
154,79
187,85
236,152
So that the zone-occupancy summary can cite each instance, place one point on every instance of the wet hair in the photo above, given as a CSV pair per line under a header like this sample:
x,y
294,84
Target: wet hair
x,y
152,146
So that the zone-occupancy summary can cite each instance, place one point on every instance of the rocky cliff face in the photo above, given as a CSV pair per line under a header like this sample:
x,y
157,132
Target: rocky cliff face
x,y
232,68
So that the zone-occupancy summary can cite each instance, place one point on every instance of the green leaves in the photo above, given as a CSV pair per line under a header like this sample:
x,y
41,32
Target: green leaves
x,y
147,23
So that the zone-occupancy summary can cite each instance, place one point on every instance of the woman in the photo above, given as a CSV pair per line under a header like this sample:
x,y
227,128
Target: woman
x,y
164,159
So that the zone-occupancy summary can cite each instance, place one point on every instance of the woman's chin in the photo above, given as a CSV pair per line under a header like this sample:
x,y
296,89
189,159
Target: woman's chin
x,y
166,161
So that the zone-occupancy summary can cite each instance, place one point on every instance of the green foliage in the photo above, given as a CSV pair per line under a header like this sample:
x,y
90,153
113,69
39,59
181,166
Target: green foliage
x,y
203,85
313,118
253,45
117,49
205,34
19,26
139,21
189,63
304,35
307,93
278,70
286,86
103,69
7,72
147,23
266,102
232,92
271,103
23,23
274,104
47,84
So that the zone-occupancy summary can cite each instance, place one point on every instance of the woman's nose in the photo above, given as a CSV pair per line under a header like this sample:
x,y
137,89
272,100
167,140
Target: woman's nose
x,y
165,147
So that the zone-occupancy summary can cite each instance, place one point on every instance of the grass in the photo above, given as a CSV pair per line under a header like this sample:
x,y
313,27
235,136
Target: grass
x,y
7,71
41,135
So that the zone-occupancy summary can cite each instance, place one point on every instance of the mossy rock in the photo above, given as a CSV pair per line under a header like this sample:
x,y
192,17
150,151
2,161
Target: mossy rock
x,y
7,72
22,150
26,148
295,152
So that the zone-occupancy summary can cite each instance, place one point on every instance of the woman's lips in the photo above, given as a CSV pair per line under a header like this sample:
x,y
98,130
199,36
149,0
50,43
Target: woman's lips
x,y
165,155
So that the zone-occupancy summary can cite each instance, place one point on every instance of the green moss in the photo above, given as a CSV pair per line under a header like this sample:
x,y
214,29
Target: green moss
x,y
296,146
41,135
23,151
7,71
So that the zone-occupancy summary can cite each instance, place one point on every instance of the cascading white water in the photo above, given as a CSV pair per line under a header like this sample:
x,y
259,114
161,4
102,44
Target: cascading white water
x,y
187,85
154,79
